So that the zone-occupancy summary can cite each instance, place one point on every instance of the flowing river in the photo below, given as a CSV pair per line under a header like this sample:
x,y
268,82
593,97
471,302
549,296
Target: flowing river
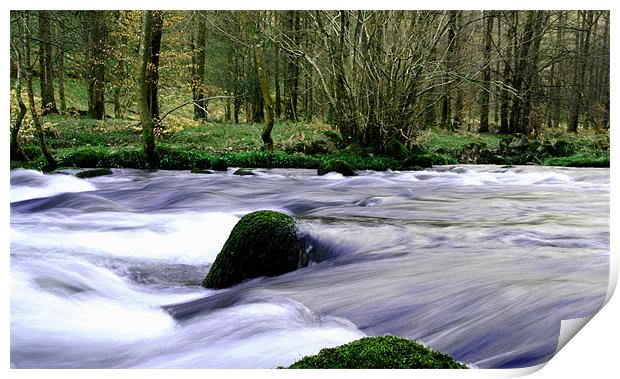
x,y
480,262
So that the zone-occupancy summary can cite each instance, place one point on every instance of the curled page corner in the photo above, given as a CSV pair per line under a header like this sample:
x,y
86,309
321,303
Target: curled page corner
x,y
568,329
613,277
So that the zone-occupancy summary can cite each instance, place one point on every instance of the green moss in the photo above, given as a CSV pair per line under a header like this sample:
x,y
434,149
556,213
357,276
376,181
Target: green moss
x,y
84,157
32,151
263,243
379,353
336,165
93,173
578,161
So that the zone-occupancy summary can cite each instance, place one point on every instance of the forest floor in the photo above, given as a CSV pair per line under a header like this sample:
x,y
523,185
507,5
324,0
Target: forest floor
x,y
184,143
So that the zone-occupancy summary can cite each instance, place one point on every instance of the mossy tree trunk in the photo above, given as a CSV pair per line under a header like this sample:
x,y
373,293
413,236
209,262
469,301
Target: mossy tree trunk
x,y
149,48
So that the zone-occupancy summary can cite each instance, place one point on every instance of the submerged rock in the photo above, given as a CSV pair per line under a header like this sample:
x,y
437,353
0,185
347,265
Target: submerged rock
x,y
94,172
244,172
197,170
336,165
263,243
379,352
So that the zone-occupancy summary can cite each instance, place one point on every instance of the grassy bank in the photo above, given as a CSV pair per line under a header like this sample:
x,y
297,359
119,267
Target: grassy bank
x,y
187,144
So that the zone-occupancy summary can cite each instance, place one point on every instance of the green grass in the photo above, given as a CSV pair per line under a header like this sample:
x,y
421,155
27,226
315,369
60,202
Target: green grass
x,y
185,143
385,352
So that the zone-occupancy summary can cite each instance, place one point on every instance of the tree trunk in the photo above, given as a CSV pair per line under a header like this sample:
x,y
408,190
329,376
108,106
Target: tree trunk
x,y
526,72
61,70
149,54
556,98
16,151
157,31
446,99
511,39
291,79
581,57
258,41
458,102
51,162
237,88
48,102
97,36
276,82
496,76
198,60
486,74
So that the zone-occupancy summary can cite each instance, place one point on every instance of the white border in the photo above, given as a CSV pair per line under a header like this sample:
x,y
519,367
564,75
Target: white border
x,y
594,351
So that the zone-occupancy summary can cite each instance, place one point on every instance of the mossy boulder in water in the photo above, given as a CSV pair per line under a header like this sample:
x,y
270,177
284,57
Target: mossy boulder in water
x,y
336,165
263,243
379,352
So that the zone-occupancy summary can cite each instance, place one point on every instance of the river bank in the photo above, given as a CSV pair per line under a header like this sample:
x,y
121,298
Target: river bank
x,y
80,142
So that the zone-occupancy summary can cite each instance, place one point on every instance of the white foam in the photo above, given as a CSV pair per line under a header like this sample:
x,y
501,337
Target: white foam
x,y
46,185
80,302
183,238
266,334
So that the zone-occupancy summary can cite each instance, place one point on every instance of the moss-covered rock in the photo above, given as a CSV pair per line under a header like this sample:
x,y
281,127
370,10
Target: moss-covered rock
x,y
218,164
93,173
379,352
420,160
396,150
244,172
336,165
263,243
83,157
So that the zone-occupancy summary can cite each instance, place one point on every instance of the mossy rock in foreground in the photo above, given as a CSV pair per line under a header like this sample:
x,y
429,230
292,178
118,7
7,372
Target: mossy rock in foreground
x,y
379,352
336,165
263,243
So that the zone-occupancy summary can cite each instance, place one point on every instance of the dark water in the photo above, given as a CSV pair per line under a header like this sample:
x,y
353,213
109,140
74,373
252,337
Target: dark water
x,y
480,262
